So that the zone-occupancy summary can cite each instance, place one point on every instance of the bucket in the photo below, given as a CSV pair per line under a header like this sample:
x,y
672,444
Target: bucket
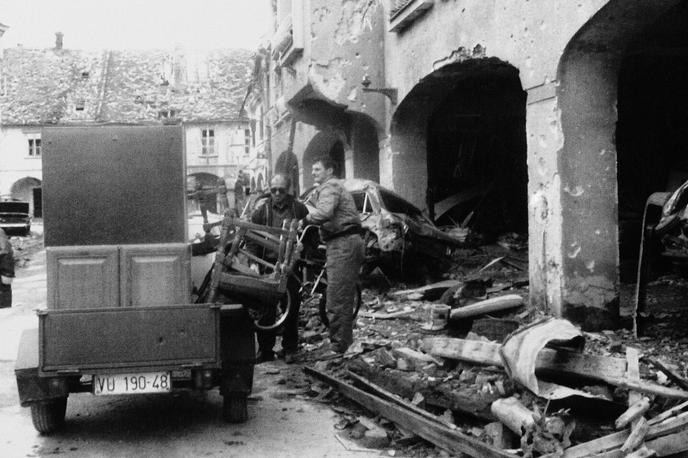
x,y
438,317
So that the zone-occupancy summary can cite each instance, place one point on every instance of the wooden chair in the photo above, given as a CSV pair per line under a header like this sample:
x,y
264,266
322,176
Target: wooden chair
x,y
231,276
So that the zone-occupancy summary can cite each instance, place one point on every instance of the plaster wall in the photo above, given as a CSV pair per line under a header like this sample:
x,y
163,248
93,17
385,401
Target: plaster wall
x,y
543,126
15,163
343,42
530,35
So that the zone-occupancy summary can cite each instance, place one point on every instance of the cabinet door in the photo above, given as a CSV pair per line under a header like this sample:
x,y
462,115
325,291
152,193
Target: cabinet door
x,y
155,274
82,277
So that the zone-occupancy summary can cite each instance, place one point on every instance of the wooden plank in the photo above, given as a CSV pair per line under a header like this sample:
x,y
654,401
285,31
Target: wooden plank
x,y
434,288
494,304
669,373
440,435
467,399
380,392
614,441
559,362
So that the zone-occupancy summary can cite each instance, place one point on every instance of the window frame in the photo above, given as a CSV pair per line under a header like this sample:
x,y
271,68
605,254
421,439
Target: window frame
x,y
208,142
34,145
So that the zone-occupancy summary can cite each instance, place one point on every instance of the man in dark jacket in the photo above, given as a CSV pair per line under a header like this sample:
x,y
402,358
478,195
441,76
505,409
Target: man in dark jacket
x,y
6,270
340,228
277,207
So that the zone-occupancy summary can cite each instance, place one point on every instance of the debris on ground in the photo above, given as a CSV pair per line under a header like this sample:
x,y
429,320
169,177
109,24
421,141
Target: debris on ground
x,y
462,366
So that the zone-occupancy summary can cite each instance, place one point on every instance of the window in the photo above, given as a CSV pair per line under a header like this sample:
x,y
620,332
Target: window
x,y
34,145
362,202
207,142
247,141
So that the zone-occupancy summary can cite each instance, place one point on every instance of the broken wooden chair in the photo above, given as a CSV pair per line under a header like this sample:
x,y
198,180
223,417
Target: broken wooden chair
x,y
231,277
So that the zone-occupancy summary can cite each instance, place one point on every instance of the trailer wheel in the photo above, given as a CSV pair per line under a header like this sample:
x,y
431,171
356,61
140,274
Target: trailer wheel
x,y
235,407
47,416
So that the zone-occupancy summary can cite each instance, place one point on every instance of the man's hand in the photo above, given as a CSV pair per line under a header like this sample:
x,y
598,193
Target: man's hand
x,y
254,267
6,280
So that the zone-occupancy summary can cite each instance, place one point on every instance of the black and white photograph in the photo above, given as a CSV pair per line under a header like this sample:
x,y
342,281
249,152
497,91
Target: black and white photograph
x,y
344,228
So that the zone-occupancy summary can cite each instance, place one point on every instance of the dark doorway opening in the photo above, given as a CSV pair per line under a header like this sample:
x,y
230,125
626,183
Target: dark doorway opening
x,y
476,161
38,202
652,128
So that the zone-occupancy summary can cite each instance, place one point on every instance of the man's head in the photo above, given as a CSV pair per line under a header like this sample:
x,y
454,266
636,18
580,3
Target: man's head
x,y
279,186
322,169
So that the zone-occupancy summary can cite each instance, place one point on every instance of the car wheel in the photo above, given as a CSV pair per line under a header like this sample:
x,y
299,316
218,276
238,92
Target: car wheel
x,y
48,416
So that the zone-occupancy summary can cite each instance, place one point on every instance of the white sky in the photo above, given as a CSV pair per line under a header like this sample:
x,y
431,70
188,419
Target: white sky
x,y
136,24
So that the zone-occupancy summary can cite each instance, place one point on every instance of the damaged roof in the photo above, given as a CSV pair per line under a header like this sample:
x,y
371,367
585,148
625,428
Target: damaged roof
x,y
60,86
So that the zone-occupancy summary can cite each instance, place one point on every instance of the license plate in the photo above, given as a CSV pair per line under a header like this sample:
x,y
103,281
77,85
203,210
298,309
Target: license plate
x,y
152,382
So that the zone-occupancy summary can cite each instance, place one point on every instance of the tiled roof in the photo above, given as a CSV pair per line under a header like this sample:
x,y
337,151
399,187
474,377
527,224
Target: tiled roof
x,y
42,86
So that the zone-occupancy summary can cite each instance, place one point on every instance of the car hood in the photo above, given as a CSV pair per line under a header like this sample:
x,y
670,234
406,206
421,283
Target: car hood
x,y
419,227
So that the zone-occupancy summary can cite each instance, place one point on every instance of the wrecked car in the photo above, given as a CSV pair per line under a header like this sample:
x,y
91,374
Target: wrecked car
x,y
397,233
15,217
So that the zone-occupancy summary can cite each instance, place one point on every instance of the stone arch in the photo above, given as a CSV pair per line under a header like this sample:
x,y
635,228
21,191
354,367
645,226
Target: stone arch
x,y
29,189
591,163
459,146
323,143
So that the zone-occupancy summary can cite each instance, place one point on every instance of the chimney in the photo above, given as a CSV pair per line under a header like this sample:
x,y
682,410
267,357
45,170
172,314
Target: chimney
x,y
58,40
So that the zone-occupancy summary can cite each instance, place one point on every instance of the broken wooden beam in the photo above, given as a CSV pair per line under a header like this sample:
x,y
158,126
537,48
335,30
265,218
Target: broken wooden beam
x,y
681,382
467,400
614,441
380,392
440,435
637,436
634,412
514,415
494,304
427,292
561,363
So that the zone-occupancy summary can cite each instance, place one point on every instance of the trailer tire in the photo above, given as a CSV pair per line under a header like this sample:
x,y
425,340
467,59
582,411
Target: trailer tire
x,y
235,408
48,416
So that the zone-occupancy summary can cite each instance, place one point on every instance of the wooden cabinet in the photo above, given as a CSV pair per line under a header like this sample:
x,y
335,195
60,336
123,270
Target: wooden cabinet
x,y
155,274
87,277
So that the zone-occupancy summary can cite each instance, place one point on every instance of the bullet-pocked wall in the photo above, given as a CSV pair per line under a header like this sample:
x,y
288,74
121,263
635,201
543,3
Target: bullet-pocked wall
x,y
588,98
531,38
319,69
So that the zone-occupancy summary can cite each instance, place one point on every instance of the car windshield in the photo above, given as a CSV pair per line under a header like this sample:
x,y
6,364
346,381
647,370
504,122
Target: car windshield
x,y
362,201
396,204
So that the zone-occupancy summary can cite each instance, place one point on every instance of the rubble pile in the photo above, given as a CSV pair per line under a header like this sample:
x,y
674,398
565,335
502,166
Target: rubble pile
x,y
462,367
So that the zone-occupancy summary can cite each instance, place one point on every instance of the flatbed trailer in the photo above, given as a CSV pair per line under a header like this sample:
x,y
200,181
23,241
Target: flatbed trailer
x,y
120,318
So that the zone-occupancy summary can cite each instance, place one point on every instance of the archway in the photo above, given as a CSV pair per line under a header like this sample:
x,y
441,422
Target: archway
x,y
323,143
460,145
601,100
29,190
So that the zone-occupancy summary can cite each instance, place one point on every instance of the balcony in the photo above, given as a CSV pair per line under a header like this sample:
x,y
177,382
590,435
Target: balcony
x,y
287,42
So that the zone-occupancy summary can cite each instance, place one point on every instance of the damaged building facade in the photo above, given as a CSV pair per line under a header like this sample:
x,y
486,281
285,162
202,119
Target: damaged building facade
x,y
551,119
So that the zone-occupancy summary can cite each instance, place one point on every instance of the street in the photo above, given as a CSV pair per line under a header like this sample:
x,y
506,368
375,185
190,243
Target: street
x,y
282,422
